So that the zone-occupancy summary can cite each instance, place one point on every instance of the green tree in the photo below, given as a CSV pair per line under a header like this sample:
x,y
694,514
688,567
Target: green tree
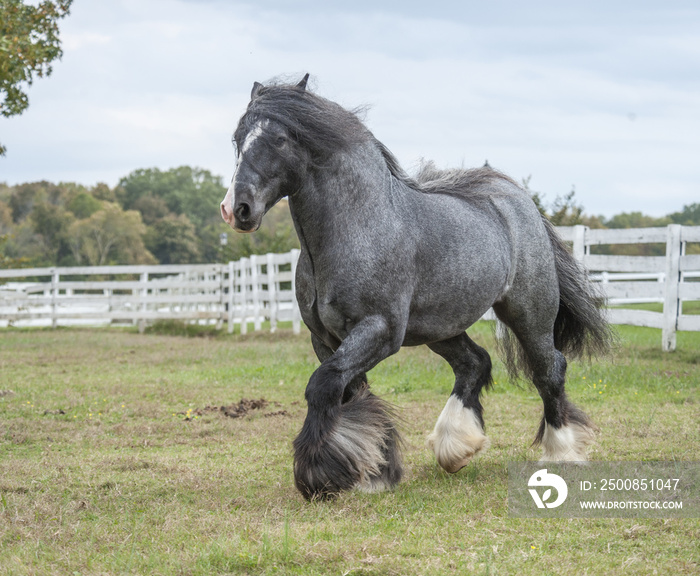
x,y
24,197
152,208
185,190
594,221
564,211
51,225
110,236
172,240
8,262
689,216
636,220
84,205
29,43
5,218
23,244
103,192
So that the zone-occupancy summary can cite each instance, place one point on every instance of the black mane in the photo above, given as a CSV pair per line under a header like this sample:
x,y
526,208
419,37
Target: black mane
x,y
456,181
324,127
321,126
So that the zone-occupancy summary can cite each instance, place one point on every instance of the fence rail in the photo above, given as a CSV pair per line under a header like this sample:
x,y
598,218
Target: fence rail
x,y
670,279
262,288
250,291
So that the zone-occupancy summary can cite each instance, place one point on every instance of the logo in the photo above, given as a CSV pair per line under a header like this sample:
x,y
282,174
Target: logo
x,y
542,478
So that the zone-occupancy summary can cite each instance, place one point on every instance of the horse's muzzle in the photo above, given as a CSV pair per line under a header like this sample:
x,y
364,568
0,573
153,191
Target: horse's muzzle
x,y
241,214
245,215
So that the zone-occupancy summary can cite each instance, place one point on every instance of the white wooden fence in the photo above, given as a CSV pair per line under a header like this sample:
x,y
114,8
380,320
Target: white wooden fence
x,y
669,279
261,288
252,290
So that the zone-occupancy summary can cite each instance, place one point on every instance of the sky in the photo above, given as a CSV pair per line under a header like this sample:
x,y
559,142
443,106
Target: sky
x,y
602,97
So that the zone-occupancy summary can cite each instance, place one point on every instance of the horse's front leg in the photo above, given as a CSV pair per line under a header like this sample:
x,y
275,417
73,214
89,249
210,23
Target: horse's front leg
x,y
349,442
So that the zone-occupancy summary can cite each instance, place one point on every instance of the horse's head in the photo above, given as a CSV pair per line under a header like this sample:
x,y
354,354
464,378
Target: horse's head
x,y
270,163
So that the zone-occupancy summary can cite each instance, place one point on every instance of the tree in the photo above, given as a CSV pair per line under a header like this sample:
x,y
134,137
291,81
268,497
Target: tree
x,y
110,236
172,240
51,224
185,190
24,197
5,218
84,205
152,209
8,262
191,192
636,220
29,43
689,216
564,210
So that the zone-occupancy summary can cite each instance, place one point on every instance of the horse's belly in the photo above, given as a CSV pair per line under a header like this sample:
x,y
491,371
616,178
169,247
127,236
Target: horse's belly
x,y
446,307
424,328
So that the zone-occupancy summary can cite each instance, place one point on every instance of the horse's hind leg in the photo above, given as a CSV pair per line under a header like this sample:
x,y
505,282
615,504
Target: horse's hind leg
x,y
565,431
459,431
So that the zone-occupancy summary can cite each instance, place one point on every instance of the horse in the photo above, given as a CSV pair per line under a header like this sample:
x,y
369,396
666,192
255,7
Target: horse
x,y
388,260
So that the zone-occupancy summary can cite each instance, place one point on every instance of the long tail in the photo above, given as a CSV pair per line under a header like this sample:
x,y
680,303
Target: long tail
x,y
581,329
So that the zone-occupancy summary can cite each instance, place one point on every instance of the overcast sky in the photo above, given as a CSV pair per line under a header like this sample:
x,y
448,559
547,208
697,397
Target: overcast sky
x,y
600,95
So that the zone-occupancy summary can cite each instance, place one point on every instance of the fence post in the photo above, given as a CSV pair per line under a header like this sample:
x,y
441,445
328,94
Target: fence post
x,y
231,296
144,307
296,313
222,296
672,291
245,262
272,291
580,249
255,283
55,278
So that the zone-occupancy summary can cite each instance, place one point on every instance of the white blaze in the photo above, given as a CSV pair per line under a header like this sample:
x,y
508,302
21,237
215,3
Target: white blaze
x,y
229,200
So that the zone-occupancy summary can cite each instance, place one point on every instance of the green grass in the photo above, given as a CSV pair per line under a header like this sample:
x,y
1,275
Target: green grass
x,y
690,307
108,467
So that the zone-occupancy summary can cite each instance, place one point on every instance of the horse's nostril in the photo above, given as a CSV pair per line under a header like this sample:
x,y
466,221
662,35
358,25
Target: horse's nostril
x,y
243,211
224,212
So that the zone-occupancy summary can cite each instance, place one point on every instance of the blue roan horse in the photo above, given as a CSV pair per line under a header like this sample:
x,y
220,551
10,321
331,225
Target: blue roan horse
x,y
389,261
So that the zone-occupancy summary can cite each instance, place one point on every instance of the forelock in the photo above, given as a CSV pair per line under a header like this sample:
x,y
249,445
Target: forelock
x,y
321,126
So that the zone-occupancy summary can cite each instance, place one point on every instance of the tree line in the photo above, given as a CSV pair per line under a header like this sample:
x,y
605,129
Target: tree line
x,y
172,217
566,211
150,217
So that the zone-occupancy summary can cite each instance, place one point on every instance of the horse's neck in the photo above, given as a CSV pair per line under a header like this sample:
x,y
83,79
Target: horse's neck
x,y
344,199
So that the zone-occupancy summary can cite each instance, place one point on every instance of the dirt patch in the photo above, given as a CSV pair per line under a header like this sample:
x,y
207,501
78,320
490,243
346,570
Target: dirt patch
x,y
238,410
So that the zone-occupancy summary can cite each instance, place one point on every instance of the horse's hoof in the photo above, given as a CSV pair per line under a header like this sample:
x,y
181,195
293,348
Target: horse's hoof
x,y
569,443
359,448
457,437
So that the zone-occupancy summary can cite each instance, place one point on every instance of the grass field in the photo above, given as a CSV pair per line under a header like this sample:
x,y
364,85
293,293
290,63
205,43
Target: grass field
x,y
111,463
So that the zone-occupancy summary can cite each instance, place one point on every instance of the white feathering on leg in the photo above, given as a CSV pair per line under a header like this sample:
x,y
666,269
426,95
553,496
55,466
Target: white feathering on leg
x,y
457,436
566,444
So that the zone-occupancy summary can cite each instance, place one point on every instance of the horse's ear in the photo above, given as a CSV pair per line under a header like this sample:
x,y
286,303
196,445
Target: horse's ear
x,y
302,83
256,89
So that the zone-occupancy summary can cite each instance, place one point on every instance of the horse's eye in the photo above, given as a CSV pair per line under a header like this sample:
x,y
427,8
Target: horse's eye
x,y
280,141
